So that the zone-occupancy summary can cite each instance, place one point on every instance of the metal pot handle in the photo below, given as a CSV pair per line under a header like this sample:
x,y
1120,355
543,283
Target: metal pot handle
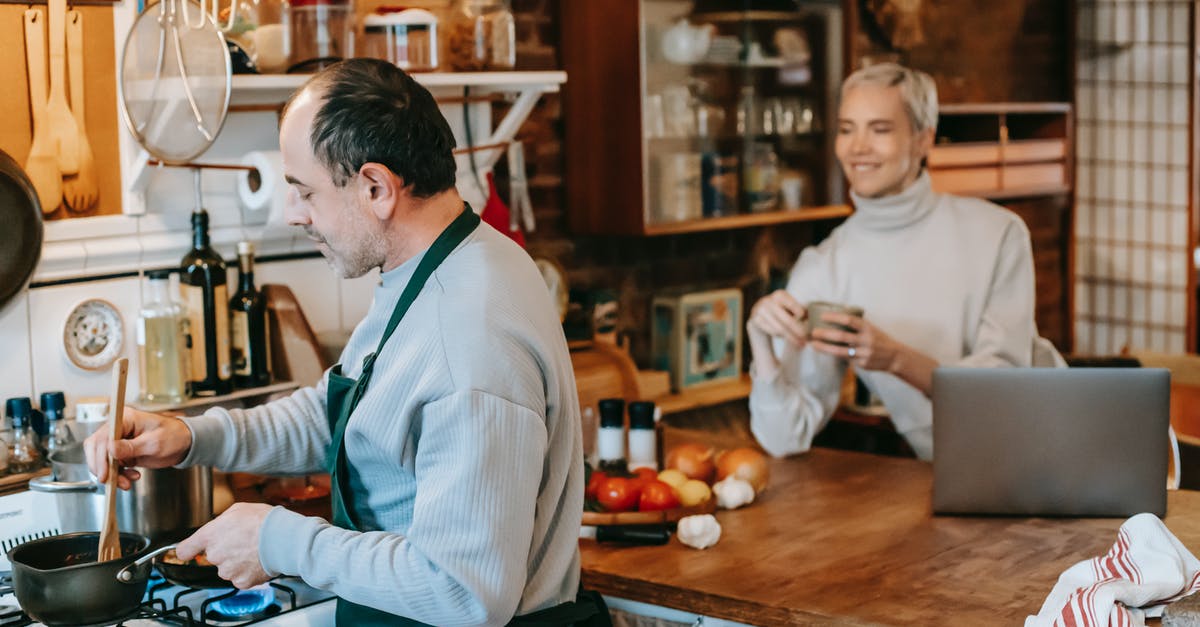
x,y
126,574
46,484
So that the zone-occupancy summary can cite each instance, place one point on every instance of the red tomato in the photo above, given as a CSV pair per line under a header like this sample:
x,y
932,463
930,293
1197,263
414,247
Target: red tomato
x,y
618,494
657,495
593,483
642,475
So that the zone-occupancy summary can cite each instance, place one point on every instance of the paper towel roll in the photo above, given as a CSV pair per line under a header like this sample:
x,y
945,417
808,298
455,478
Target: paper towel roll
x,y
272,189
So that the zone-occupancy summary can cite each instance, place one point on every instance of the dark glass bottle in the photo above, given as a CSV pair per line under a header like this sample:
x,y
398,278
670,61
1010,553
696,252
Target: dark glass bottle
x,y
206,299
58,434
250,339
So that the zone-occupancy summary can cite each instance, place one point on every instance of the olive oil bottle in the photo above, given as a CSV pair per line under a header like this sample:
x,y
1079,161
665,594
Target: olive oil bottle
x,y
249,325
204,295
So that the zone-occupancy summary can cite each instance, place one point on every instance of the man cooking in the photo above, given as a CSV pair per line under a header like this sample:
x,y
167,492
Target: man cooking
x,y
450,427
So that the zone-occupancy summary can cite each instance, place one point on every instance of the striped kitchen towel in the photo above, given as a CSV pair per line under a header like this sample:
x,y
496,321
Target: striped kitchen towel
x,y
1145,570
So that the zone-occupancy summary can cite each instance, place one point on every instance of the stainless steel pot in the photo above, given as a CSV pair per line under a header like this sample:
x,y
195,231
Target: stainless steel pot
x,y
164,505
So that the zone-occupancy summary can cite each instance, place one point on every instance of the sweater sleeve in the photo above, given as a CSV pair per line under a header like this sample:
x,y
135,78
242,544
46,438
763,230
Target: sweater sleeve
x,y
286,436
464,559
788,409
1006,330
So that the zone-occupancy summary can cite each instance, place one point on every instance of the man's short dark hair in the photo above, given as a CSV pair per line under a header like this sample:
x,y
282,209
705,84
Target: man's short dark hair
x,y
372,111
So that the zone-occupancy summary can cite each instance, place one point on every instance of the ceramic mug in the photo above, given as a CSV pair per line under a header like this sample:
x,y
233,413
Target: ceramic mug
x,y
815,318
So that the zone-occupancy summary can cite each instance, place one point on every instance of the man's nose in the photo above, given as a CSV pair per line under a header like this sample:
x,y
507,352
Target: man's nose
x,y
293,211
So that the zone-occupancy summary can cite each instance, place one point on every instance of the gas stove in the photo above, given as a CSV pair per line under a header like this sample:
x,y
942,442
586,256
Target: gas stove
x,y
282,602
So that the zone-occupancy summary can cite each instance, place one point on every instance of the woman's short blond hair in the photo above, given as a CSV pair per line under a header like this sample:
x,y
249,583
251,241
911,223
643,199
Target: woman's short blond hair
x,y
917,90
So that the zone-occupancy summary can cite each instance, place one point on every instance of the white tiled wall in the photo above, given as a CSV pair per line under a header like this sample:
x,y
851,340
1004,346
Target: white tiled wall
x,y
31,325
1131,229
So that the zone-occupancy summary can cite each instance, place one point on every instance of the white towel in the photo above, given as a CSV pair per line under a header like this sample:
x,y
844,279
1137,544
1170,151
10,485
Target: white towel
x,y
1145,570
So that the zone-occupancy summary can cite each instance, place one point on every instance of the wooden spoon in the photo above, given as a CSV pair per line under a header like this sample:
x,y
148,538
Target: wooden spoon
x,y
110,536
62,124
42,163
80,191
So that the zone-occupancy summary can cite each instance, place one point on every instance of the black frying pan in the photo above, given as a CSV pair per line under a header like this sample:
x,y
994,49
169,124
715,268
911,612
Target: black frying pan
x,y
189,574
21,218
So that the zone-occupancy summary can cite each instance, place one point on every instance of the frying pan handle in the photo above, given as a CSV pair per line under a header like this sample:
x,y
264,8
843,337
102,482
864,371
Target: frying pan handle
x,y
46,484
126,574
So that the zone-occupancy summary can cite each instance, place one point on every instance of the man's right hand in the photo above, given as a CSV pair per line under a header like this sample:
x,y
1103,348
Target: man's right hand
x,y
150,440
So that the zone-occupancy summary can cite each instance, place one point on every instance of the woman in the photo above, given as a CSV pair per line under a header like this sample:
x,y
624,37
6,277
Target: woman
x,y
943,280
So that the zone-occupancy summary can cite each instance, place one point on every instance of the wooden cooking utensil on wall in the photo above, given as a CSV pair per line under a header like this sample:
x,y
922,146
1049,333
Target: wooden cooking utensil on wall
x,y
81,190
62,124
41,166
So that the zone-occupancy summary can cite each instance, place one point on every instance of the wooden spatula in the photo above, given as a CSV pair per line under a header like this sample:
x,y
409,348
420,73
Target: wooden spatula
x,y
42,163
62,124
80,191
110,536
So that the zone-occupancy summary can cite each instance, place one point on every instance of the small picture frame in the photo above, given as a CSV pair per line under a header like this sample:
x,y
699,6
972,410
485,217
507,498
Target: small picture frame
x,y
698,337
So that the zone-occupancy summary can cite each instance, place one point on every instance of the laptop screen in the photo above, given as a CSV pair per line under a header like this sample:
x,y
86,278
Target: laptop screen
x,y
1050,441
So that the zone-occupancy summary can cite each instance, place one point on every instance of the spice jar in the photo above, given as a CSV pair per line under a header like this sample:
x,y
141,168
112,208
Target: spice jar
x,y
322,33
406,37
271,40
482,36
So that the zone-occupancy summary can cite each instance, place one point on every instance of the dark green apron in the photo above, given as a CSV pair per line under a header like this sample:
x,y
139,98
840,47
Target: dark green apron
x,y
343,395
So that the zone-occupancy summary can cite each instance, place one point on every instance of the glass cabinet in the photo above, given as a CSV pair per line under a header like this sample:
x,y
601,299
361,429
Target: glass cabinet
x,y
694,115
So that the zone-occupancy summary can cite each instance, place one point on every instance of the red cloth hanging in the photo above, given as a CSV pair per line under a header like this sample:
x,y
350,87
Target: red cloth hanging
x,y
496,213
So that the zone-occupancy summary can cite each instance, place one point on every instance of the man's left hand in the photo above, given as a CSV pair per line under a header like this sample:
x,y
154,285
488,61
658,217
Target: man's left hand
x,y
230,541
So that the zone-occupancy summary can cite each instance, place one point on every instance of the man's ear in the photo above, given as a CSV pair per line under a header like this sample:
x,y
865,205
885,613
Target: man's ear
x,y
379,188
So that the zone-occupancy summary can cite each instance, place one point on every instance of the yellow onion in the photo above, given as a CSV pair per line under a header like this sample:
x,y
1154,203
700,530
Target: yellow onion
x,y
746,464
693,459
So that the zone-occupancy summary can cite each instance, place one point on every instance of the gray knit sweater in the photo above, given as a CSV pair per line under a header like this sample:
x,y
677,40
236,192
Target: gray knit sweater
x,y
465,452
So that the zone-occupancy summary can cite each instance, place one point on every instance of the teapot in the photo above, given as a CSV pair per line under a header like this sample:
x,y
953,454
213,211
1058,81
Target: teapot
x,y
685,43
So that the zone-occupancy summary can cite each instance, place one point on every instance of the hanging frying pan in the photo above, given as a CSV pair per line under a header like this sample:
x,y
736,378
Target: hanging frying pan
x,y
21,215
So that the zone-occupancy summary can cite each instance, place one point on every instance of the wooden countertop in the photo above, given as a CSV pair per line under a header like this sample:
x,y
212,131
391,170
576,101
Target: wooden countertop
x,y
849,539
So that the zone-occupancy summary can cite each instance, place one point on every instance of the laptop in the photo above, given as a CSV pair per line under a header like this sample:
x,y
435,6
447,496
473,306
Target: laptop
x,y
1050,441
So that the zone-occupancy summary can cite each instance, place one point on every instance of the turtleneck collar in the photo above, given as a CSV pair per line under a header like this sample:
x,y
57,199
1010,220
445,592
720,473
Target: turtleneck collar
x,y
898,210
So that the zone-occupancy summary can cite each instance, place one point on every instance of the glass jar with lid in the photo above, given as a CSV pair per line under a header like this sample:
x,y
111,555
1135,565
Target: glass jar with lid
x,y
322,33
406,37
481,35
262,28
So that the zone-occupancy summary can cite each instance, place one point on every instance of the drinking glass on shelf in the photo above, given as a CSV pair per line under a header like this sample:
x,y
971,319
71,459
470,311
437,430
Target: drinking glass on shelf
x,y
805,116
710,119
678,113
776,119
654,125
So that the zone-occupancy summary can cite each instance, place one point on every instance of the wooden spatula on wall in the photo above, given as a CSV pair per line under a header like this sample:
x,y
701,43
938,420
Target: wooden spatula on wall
x,y
110,536
80,191
42,163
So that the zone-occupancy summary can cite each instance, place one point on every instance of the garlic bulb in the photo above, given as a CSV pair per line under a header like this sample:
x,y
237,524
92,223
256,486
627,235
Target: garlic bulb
x,y
733,493
700,531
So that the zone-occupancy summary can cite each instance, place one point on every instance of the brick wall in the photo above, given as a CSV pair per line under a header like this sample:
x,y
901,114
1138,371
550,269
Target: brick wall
x,y
636,268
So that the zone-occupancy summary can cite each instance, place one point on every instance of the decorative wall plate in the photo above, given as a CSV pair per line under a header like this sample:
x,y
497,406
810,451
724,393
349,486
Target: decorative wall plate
x,y
94,334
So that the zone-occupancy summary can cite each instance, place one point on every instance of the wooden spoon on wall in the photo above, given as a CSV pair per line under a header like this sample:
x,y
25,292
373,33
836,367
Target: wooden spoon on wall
x,y
110,535
62,123
41,166
80,191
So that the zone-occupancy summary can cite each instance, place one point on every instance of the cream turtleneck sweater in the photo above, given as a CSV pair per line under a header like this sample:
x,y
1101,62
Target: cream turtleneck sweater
x,y
949,276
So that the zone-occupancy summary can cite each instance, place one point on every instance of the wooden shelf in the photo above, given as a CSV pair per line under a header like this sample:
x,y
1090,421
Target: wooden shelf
x,y
744,220
705,396
1019,192
276,88
206,401
11,484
